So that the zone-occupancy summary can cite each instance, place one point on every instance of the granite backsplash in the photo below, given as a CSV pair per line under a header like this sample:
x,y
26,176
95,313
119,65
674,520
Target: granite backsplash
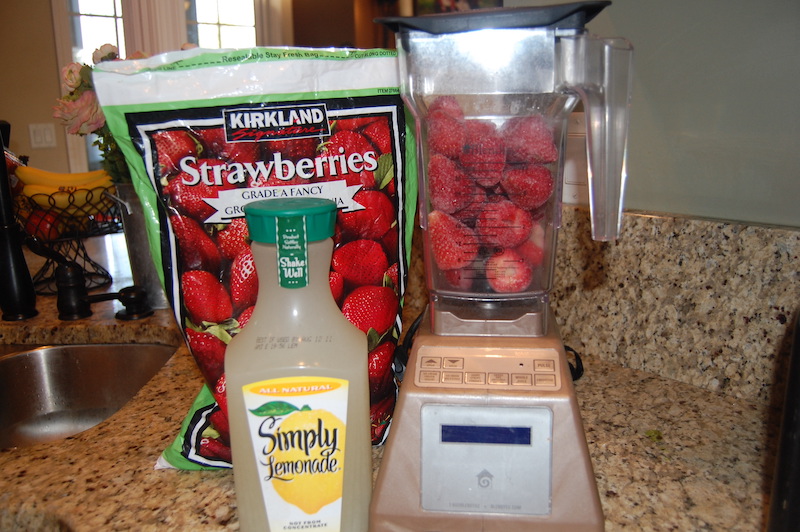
x,y
704,302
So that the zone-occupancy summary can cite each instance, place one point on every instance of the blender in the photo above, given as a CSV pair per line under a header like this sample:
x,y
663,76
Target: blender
x,y
487,433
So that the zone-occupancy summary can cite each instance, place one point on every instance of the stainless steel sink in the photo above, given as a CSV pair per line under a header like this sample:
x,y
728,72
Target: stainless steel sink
x,y
52,392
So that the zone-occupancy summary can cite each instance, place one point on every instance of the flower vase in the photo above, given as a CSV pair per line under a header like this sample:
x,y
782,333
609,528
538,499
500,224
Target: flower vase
x,y
143,269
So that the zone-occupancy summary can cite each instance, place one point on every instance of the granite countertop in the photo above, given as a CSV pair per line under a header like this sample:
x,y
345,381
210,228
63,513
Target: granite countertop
x,y
667,455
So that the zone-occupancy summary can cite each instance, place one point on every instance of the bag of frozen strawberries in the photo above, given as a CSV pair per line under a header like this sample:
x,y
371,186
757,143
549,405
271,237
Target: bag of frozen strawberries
x,y
205,132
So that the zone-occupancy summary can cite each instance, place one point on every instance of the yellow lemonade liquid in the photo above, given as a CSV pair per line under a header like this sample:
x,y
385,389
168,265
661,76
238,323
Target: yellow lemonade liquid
x,y
298,399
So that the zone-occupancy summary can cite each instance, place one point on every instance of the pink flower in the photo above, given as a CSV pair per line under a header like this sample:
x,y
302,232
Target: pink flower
x,y
71,76
81,116
107,52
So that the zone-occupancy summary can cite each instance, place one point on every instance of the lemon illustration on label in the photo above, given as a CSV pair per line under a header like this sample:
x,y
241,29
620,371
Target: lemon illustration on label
x,y
309,459
297,427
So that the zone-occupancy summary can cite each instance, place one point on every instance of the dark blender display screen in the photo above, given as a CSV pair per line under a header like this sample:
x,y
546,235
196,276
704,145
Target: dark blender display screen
x,y
486,434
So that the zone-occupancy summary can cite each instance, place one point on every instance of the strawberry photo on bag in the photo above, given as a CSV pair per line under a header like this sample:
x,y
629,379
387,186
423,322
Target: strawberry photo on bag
x,y
205,133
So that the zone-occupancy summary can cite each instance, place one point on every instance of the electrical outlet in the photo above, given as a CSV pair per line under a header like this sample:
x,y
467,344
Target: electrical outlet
x,y
42,135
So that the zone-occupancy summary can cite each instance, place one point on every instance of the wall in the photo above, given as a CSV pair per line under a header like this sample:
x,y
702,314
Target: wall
x,y
324,24
715,131
708,303
31,74
715,127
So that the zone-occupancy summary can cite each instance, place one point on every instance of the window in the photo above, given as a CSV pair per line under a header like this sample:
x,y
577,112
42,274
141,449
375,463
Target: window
x,y
210,24
94,23
154,26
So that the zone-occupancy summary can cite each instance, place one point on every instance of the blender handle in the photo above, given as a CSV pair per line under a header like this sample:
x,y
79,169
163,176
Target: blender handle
x,y
600,72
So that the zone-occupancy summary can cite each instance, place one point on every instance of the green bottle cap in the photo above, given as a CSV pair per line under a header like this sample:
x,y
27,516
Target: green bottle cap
x,y
262,215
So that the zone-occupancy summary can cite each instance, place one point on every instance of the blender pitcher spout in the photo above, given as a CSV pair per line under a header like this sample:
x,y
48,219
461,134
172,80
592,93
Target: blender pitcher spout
x,y
600,72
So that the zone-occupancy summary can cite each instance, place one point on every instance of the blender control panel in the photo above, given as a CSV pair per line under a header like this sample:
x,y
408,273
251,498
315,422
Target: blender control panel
x,y
488,369
487,459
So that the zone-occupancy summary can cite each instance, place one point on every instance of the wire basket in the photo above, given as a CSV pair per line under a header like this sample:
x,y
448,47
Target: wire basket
x,y
61,220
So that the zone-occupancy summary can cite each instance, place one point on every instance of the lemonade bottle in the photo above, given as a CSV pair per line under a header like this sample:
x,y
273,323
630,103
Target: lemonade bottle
x,y
297,385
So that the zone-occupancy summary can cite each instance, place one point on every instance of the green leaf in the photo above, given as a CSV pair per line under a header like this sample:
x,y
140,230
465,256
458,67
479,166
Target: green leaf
x,y
188,323
210,432
274,408
221,331
224,331
384,173
373,339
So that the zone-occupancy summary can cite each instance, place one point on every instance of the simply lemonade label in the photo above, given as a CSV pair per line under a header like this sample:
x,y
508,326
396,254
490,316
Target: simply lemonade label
x,y
297,425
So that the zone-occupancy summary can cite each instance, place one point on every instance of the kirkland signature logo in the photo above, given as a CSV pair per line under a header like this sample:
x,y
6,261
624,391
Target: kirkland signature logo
x,y
273,123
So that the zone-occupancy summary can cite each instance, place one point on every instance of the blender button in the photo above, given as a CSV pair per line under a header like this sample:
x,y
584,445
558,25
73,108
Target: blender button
x,y
545,380
431,362
452,377
498,378
472,377
544,365
453,363
429,377
521,379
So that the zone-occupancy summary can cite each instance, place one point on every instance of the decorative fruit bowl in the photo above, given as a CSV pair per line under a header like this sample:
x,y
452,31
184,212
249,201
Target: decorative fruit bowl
x,y
60,220
64,214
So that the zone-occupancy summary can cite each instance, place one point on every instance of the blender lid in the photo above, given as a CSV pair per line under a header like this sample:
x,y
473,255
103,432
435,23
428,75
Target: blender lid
x,y
560,16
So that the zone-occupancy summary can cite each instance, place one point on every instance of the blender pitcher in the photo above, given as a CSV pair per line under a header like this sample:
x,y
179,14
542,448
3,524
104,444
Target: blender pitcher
x,y
491,91
487,433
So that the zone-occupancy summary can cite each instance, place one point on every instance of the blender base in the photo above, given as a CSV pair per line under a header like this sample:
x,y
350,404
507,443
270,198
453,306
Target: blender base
x,y
487,436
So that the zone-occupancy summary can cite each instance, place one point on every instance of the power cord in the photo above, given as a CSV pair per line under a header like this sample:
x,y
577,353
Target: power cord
x,y
575,370
404,348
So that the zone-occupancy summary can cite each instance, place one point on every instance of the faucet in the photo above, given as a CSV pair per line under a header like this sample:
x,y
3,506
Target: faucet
x,y
19,296
73,300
